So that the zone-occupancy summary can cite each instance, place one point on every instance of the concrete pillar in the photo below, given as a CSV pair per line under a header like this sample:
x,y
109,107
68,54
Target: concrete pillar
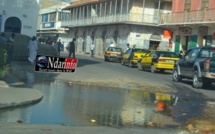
x,y
128,1
121,6
110,7
115,6
105,12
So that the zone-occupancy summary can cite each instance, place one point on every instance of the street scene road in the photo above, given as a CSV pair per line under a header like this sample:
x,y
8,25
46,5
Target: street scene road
x,y
103,93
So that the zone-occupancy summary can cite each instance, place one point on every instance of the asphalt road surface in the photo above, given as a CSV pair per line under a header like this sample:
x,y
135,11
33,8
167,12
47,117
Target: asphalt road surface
x,y
157,79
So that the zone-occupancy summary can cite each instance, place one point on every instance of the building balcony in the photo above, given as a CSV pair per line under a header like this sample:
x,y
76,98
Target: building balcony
x,y
193,17
139,19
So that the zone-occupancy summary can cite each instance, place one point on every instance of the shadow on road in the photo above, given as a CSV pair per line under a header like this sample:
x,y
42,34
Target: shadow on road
x,y
83,62
205,87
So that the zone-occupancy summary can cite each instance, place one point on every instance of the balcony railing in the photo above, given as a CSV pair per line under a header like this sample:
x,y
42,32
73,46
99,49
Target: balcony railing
x,y
111,19
200,16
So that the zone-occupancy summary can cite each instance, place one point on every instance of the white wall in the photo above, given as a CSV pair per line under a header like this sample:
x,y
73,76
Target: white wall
x,y
29,9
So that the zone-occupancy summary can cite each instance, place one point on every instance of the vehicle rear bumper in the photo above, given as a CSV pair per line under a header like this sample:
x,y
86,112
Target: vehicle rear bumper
x,y
164,66
113,57
210,76
134,62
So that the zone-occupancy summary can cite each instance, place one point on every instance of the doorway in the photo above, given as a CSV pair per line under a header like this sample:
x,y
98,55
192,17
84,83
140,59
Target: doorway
x,y
153,45
13,24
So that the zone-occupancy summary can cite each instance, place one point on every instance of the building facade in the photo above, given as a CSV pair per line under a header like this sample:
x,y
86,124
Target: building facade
x,y
192,22
119,21
19,16
49,22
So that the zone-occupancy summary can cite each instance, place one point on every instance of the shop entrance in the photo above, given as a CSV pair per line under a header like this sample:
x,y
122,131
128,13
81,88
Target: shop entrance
x,y
184,42
154,42
153,45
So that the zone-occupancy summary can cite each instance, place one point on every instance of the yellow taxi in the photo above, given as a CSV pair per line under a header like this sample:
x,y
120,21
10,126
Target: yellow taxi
x,y
131,56
113,54
158,60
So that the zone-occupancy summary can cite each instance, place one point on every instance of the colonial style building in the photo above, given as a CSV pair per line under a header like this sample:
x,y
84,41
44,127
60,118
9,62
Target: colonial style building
x,y
19,16
192,22
119,21
49,22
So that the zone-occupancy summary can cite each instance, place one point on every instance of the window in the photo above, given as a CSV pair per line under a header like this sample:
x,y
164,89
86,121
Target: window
x,y
194,54
205,4
167,54
204,53
114,49
45,18
187,5
52,16
140,50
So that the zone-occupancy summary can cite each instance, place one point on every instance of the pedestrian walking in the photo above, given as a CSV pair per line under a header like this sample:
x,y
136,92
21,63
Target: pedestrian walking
x,y
10,48
72,48
112,45
92,49
59,45
32,47
128,46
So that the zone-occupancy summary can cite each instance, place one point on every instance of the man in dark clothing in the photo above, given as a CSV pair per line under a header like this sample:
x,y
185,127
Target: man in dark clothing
x,y
72,48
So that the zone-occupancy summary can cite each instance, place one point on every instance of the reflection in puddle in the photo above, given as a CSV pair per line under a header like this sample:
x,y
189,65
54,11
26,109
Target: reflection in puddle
x,y
30,79
79,105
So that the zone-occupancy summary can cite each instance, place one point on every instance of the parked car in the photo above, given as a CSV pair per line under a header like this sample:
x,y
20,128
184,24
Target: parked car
x,y
198,64
113,54
158,60
131,56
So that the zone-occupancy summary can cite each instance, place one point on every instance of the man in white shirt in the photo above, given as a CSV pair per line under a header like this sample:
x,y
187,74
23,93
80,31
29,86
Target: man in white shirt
x,y
92,49
112,45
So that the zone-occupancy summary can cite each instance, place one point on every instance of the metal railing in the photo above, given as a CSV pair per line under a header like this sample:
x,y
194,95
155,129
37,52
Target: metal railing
x,y
200,16
110,19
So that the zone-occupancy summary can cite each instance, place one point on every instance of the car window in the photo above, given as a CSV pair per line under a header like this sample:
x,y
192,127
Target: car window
x,y
140,50
188,54
206,53
167,54
114,49
194,54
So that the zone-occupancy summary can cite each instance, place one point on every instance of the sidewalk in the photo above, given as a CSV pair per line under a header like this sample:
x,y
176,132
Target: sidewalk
x,y
82,54
11,96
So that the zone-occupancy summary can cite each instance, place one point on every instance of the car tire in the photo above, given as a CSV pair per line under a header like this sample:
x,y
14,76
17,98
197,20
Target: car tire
x,y
152,69
196,82
130,64
122,62
162,70
139,66
175,76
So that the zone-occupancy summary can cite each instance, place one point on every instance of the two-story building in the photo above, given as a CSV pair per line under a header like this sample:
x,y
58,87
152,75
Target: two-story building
x,y
49,23
192,22
119,21
19,16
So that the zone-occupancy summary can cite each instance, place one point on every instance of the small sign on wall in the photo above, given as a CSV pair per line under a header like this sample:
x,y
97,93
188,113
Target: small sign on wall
x,y
185,31
203,31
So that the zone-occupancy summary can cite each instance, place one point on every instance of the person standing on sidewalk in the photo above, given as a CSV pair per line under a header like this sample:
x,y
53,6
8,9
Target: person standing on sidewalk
x,y
10,47
32,47
59,44
92,49
72,48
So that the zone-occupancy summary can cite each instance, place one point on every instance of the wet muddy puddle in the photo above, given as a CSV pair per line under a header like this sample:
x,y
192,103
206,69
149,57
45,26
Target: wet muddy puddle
x,y
84,105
